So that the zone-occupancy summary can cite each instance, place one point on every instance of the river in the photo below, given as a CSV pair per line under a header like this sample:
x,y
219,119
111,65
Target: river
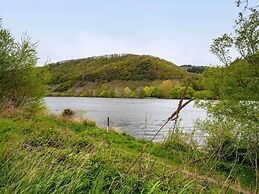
x,y
140,118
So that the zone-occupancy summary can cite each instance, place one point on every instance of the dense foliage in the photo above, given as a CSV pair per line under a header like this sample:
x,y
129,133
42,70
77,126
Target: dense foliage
x,y
20,82
233,123
128,76
114,67
235,117
194,69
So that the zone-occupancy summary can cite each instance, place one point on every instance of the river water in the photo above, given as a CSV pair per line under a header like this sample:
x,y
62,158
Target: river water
x,y
140,118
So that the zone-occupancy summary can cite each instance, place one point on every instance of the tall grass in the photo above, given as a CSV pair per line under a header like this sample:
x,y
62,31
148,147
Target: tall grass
x,y
52,155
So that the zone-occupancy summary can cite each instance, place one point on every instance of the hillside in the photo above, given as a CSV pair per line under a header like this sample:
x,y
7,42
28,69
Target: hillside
x,y
110,72
115,67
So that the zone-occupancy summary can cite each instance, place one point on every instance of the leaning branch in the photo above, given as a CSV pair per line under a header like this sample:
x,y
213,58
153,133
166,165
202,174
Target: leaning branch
x,y
173,117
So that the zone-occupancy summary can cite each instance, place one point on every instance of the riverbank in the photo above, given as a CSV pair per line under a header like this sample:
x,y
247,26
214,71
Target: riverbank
x,y
51,154
176,95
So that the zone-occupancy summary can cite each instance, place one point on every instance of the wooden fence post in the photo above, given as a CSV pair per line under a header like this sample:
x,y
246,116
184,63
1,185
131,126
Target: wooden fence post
x,y
108,124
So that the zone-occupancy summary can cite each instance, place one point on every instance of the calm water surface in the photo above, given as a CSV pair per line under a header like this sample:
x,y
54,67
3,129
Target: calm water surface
x,y
138,117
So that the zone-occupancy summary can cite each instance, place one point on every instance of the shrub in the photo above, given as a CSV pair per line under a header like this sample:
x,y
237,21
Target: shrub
x,y
64,86
89,123
68,113
139,92
176,92
166,87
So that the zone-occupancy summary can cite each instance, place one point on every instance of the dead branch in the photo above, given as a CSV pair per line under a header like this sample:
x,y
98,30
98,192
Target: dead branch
x,y
173,117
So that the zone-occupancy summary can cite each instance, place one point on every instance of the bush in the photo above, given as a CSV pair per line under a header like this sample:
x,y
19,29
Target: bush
x,y
176,92
165,88
68,113
152,92
89,123
64,86
140,93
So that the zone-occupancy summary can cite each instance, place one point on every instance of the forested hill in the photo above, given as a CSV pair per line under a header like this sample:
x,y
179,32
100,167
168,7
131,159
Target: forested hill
x,y
124,75
114,67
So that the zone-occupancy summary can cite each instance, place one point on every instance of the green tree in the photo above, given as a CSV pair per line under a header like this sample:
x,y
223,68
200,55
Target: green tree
x,y
118,92
128,93
152,92
233,120
244,40
111,93
140,93
166,87
221,48
147,91
176,92
204,94
21,83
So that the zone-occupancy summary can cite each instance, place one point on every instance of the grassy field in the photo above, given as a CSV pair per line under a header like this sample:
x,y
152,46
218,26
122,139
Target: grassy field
x,y
48,154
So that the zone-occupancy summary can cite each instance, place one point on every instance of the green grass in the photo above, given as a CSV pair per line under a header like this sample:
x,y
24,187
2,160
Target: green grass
x,y
47,154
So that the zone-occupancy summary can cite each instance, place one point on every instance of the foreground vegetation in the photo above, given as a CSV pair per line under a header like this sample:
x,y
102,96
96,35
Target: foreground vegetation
x,y
47,154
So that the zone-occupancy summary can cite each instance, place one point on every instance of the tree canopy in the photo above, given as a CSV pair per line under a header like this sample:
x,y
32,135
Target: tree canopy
x,y
21,84
233,121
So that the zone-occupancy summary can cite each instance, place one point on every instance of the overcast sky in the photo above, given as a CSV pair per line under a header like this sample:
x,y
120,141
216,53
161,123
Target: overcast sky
x,y
180,31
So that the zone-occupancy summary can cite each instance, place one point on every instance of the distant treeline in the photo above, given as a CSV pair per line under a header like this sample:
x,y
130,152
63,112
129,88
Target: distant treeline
x,y
162,89
194,69
123,76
